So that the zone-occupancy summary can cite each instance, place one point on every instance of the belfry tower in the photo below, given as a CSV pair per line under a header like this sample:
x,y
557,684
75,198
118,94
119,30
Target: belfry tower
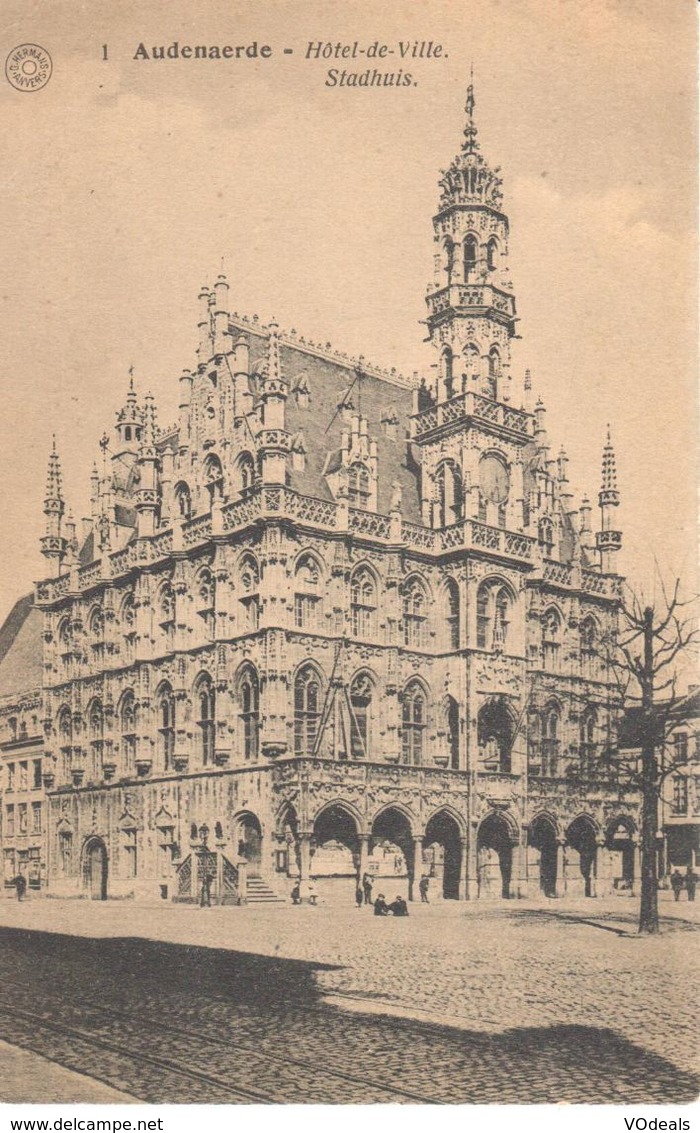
x,y
471,310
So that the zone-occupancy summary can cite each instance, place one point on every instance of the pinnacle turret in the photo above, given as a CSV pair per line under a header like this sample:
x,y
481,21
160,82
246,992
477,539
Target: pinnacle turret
x,y
470,179
53,544
608,540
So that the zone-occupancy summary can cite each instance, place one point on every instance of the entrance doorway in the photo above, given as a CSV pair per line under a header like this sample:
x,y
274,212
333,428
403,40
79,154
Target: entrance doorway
x,y
95,869
542,839
250,844
495,856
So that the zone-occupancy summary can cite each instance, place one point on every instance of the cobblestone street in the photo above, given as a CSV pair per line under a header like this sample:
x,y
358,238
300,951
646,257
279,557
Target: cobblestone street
x,y
500,1003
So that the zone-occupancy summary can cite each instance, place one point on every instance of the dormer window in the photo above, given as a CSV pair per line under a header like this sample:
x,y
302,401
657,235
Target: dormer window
x,y
358,486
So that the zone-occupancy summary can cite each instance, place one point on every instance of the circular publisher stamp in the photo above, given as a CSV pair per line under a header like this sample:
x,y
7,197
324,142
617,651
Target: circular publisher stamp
x,y
28,67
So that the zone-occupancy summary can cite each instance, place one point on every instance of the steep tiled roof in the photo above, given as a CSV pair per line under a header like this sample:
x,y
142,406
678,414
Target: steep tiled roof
x,y
21,649
322,424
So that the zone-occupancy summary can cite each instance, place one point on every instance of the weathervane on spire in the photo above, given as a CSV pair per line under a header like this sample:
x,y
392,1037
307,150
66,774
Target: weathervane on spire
x,y
470,93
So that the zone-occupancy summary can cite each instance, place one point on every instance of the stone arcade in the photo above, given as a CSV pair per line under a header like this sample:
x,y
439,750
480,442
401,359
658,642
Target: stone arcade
x,y
290,649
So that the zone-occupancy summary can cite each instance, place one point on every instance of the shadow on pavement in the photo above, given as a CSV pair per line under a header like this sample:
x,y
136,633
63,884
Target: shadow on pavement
x,y
255,1008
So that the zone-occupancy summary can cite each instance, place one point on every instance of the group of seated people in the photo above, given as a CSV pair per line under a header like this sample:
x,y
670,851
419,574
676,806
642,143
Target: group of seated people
x,y
397,908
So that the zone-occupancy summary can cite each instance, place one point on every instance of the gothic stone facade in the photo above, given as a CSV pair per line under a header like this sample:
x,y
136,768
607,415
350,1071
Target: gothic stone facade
x,y
337,612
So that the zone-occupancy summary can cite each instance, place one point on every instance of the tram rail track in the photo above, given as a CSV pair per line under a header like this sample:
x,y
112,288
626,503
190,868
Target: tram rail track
x,y
368,1089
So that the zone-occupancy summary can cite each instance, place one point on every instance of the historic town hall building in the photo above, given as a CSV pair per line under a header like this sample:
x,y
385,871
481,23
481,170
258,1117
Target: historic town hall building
x,y
334,620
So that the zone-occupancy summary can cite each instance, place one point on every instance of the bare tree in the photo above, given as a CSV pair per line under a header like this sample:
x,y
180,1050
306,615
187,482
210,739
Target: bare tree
x,y
646,656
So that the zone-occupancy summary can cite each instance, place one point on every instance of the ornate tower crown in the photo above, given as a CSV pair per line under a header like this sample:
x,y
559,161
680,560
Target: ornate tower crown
x,y
469,179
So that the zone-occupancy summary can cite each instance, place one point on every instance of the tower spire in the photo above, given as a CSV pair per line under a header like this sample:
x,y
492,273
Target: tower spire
x,y
608,540
53,545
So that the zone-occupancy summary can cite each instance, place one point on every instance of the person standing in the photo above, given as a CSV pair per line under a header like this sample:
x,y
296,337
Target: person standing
x,y
423,889
691,880
359,896
205,895
677,883
20,886
367,883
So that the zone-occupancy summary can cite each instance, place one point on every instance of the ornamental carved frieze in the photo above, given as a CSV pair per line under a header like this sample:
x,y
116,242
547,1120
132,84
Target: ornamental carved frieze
x,y
498,673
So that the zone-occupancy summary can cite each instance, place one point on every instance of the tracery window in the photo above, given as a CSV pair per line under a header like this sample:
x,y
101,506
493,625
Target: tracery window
x,y
587,744
214,478
307,599
363,602
206,719
250,597
491,253
361,691
166,726
414,614
307,710
128,718
414,720
358,485
545,537
493,603
95,735
246,473
551,639
452,613
450,494
451,726
249,715
551,721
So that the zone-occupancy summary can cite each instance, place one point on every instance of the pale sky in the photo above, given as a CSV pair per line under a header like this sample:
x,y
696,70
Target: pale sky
x,y
125,183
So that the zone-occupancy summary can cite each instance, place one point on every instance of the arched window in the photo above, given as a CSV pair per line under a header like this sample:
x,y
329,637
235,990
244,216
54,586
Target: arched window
x,y
471,249
363,602
551,638
493,603
205,700
128,620
96,629
205,601
250,597
307,710
472,359
183,501
214,477
550,740
249,715
361,691
449,260
545,537
128,718
448,373
415,614
494,370
65,643
491,253
358,485
307,598
95,717
246,473
496,733
452,613
587,744
450,494
166,726
64,727
414,720
451,726
165,613
589,645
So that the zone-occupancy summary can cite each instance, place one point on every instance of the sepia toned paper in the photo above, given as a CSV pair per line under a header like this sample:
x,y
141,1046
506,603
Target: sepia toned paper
x,y
360,345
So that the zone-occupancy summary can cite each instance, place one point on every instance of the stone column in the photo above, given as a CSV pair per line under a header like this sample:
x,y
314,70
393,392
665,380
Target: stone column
x,y
636,868
560,884
364,856
472,863
601,870
464,893
417,867
304,865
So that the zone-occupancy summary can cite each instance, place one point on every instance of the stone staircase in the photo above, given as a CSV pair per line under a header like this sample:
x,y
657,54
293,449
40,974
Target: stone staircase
x,y
258,892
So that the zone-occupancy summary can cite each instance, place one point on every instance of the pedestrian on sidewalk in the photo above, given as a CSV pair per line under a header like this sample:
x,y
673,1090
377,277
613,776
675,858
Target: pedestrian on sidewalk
x,y
20,886
691,880
205,894
359,896
423,890
677,883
